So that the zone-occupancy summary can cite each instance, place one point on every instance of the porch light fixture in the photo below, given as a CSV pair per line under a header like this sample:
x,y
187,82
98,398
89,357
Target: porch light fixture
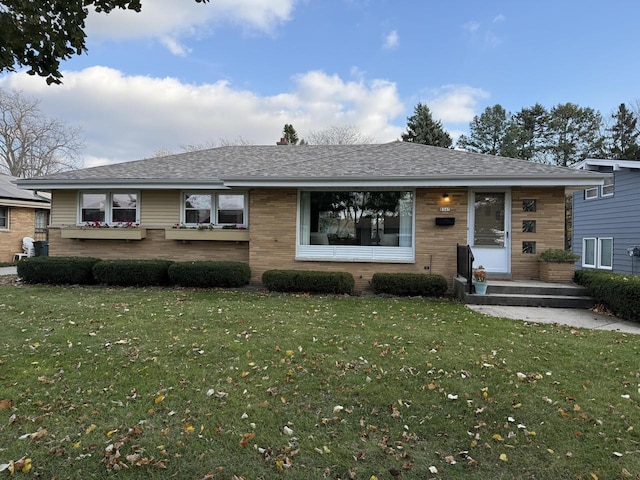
x,y
446,198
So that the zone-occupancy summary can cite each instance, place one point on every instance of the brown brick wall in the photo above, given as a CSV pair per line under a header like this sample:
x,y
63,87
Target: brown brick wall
x,y
154,246
273,224
549,217
21,224
272,229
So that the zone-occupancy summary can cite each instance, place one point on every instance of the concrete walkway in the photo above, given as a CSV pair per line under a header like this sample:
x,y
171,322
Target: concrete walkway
x,y
573,317
8,270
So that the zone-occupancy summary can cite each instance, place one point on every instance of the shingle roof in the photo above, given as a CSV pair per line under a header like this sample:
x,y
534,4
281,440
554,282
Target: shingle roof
x,y
321,163
10,192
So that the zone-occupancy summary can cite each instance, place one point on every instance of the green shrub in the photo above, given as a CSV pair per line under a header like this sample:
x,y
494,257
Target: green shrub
x,y
409,284
132,273
619,292
557,255
209,274
308,281
57,270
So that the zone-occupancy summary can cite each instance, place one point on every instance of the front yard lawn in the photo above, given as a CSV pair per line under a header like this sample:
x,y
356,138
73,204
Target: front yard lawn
x,y
160,383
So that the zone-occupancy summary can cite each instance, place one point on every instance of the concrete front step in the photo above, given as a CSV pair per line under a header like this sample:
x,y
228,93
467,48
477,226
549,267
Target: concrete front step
x,y
526,294
522,300
535,288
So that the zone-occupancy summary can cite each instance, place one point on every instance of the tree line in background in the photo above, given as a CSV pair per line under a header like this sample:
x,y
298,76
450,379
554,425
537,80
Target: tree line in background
x,y
564,135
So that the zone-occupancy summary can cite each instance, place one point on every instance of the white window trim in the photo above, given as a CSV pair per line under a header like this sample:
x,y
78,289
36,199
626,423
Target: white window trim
x,y
612,185
355,253
595,252
599,256
588,191
6,228
213,215
108,214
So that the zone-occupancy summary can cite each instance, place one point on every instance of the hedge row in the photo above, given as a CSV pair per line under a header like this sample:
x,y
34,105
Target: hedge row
x,y
209,274
619,292
141,273
308,281
58,270
401,284
409,284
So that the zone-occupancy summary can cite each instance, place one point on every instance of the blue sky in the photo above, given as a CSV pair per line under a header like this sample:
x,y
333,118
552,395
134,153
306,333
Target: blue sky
x,y
182,73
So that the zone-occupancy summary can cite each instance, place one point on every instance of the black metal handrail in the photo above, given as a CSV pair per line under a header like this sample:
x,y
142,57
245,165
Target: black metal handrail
x,y
464,264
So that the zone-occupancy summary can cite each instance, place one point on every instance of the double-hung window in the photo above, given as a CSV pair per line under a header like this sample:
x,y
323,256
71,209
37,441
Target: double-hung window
x,y
4,218
109,208
209,208
597,253
373,226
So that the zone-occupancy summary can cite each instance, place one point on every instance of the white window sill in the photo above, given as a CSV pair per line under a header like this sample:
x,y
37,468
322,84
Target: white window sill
x,y
338,253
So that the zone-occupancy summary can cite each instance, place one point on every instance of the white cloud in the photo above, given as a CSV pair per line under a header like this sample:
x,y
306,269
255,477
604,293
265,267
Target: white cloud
x,y
392,40
174,46
455,103
499,18
471,26
127,117
183,18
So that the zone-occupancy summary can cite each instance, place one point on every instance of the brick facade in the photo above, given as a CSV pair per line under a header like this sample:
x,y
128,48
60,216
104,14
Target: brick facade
x,y
549,217
272,233
273,236
21,224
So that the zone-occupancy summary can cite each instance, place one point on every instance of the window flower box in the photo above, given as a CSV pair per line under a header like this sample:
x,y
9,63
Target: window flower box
x,y
104,233
220,234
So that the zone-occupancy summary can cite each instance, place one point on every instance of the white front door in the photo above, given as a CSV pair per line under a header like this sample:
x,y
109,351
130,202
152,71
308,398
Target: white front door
x,y
489,235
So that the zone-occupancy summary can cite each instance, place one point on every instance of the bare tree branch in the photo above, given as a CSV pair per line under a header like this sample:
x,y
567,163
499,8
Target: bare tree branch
x,y
338,135
31,144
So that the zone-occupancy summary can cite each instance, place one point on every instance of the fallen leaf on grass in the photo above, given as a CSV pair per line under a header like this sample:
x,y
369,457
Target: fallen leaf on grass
x,y
5,403
34,436
503,457
244,441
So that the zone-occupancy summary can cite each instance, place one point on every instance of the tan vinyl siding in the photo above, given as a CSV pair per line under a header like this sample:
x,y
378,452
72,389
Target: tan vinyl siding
x,y
64,207
159,208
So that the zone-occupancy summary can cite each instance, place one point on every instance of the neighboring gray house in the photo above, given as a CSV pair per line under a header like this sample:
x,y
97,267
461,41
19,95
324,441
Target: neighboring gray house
x,y
606,219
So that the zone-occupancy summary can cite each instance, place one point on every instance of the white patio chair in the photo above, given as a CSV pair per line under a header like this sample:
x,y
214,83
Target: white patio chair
x,y
28,250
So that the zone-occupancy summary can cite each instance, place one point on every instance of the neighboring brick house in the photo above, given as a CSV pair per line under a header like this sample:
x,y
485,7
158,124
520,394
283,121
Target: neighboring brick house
x,y
23,213
395,207
606,219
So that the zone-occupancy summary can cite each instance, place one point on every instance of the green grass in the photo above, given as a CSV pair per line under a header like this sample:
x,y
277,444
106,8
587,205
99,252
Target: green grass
x,y
159,383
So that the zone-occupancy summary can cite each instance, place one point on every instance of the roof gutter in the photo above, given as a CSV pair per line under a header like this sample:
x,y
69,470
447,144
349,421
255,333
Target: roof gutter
x,y
577,181
147,184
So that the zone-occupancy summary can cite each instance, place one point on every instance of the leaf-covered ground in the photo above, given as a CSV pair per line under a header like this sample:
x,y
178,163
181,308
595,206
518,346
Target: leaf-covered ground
x,y
162,383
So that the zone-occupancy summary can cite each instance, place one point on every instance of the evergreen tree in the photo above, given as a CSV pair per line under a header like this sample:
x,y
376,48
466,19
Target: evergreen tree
x,y
528,131
573,134
290,135
422,128
624,135
489,132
